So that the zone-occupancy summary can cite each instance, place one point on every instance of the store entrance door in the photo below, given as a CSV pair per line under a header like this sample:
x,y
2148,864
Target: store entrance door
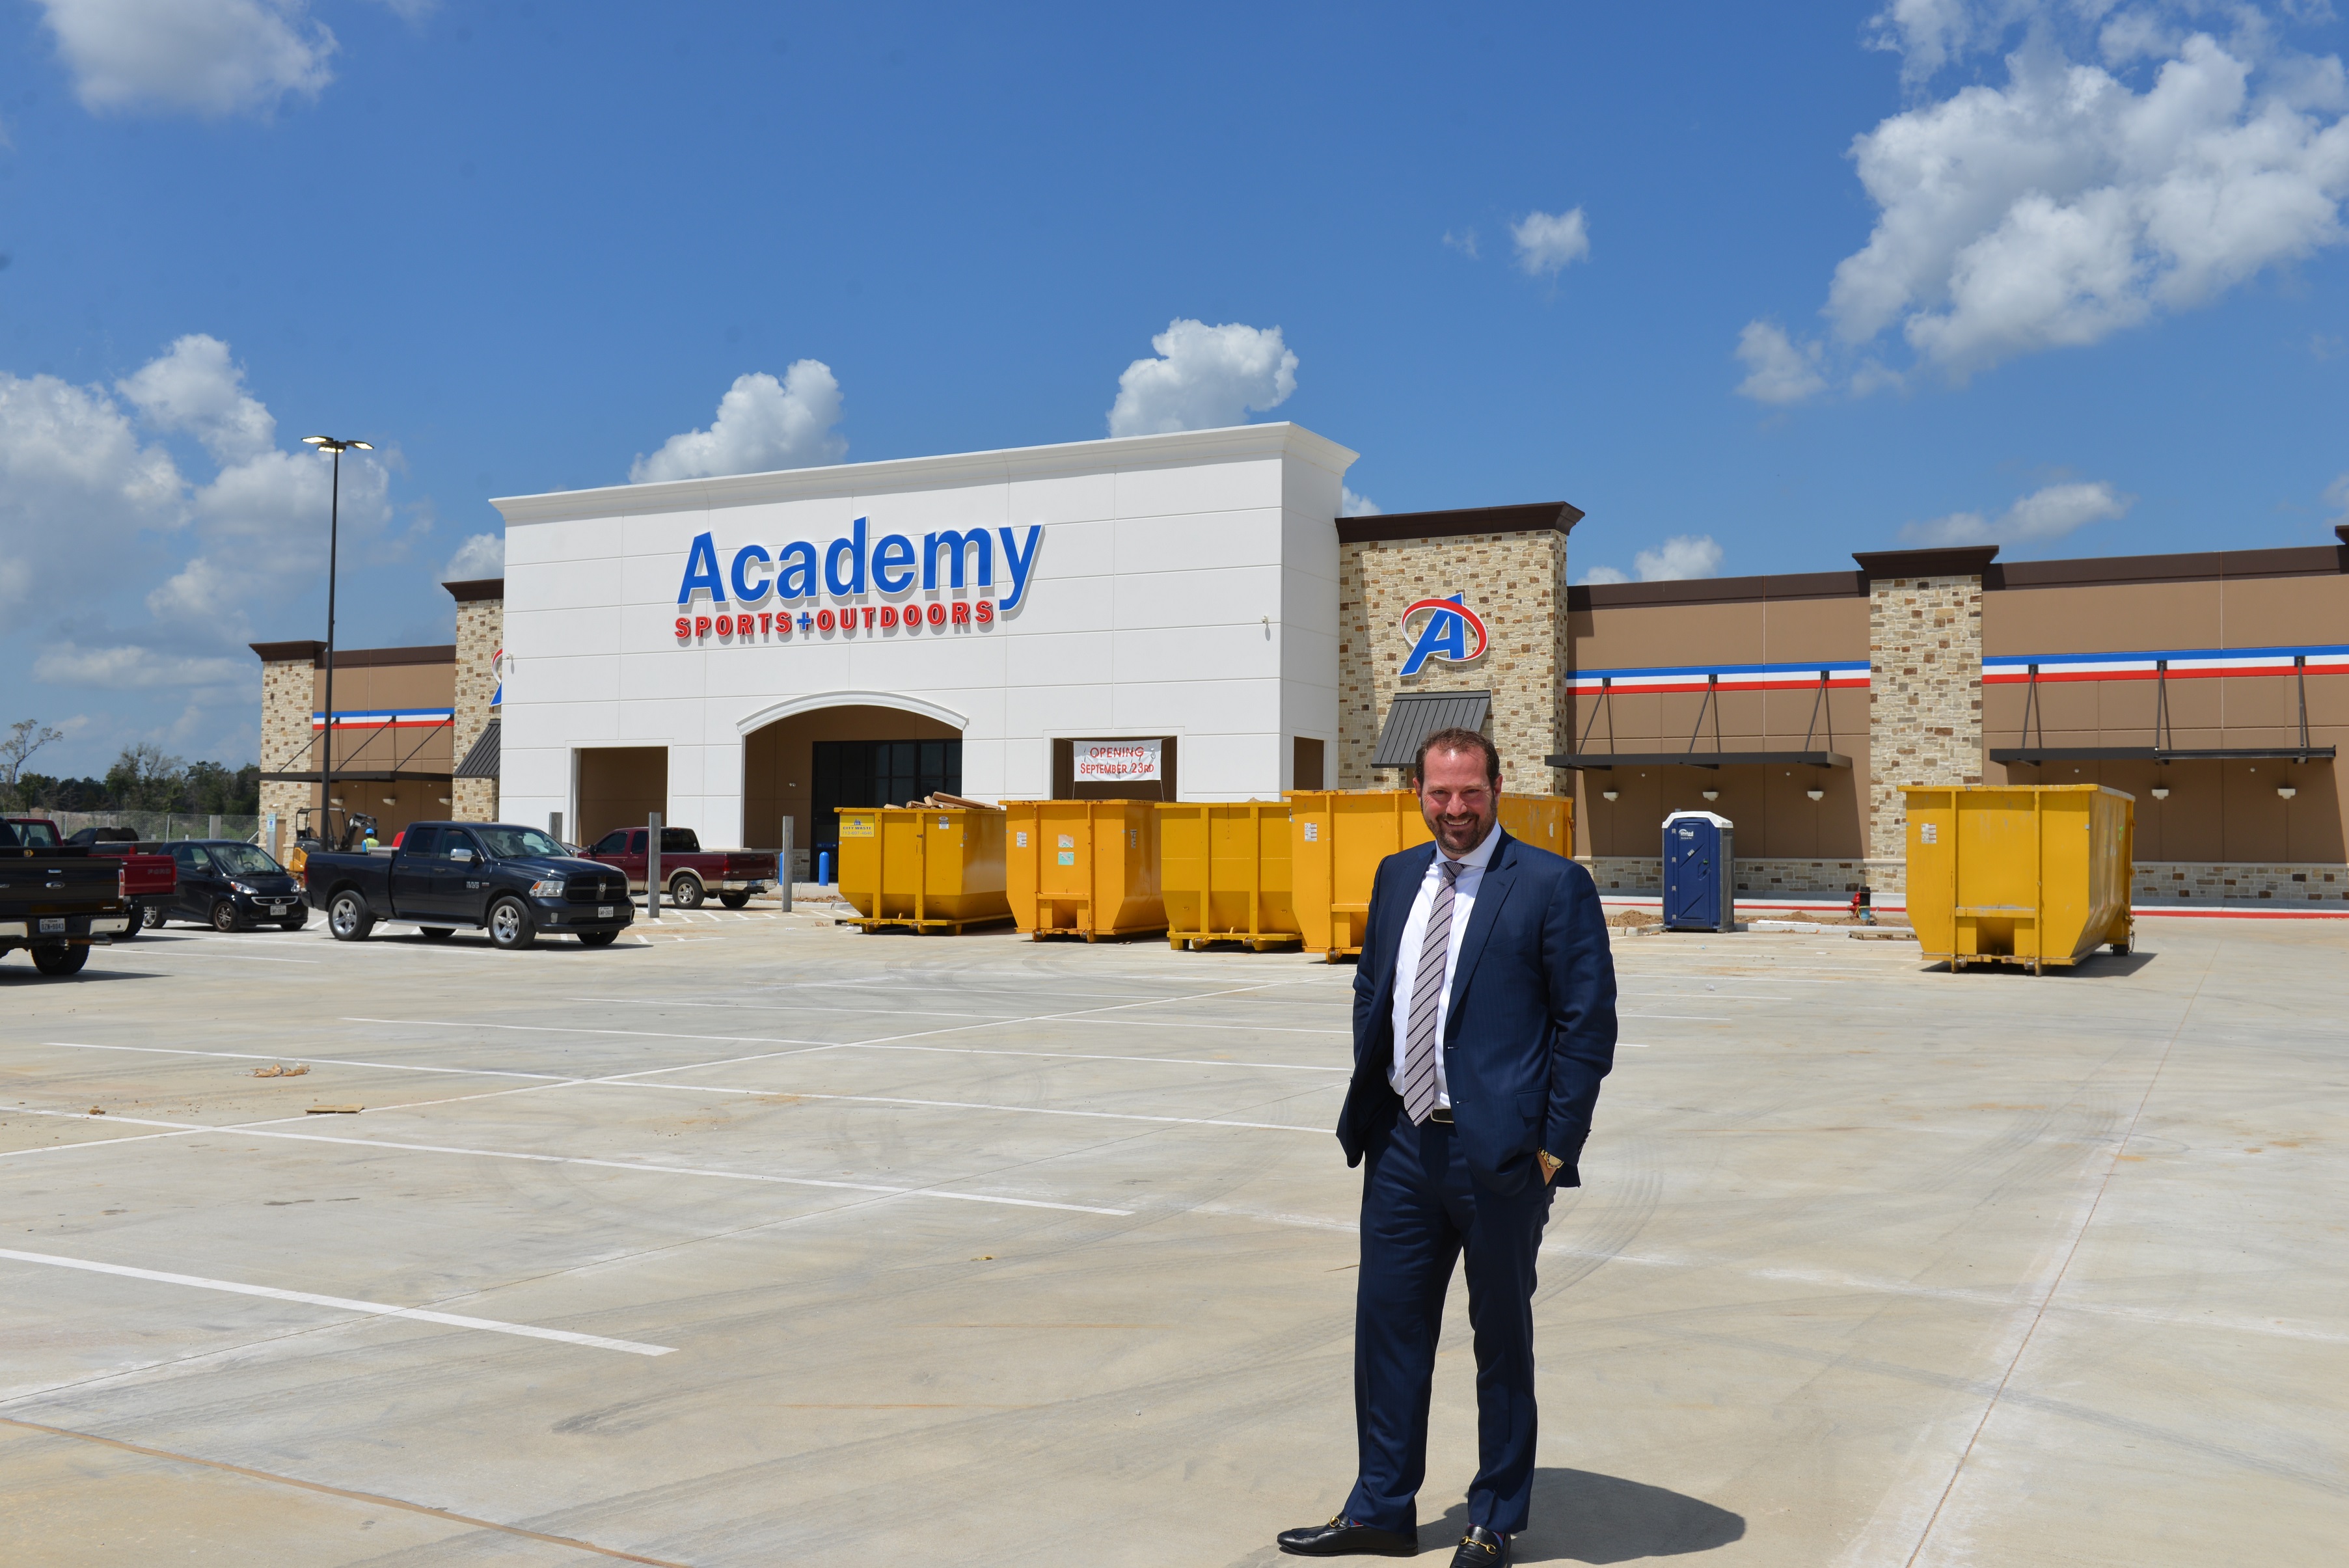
x,y
809,765
879,773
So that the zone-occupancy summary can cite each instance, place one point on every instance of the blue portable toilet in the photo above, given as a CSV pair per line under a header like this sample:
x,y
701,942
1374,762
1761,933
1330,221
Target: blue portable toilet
x,y
1700,873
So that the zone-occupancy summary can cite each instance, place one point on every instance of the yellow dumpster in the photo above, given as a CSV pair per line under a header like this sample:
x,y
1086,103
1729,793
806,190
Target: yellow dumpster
x,y
924,867
1544,821
1341,836
1223,870
2025,873
1086,868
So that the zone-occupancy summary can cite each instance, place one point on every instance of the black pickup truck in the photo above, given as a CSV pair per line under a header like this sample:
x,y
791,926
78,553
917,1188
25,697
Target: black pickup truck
x,y
56,900
515,882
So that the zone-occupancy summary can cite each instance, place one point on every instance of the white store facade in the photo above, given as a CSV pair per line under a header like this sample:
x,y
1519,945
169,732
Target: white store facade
x,y
732,651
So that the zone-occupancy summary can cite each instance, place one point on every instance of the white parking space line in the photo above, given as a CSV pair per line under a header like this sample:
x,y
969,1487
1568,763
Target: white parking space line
x,y
582,1029
157,950
956,1105
342,1303
315,1061
1087,1056
881,1005
645,1168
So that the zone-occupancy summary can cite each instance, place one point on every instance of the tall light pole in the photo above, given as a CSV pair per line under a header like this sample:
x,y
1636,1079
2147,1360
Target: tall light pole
x,y
333,537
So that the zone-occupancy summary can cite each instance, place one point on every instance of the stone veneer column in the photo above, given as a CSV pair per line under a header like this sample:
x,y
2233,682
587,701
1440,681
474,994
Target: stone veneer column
x,y
1514,577
481,633
1924,684
289,697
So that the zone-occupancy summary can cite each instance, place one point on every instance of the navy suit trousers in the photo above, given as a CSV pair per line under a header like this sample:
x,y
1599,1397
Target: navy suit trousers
x,y
1421,1213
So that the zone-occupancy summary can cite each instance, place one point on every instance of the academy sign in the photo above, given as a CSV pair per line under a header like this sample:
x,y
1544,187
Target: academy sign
x,y
764,595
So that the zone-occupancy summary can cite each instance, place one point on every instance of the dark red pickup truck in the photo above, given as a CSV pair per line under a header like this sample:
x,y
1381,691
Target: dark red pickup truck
x,y
149,880
690,873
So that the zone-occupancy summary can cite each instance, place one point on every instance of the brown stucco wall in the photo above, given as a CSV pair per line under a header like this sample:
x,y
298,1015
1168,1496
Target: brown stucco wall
x,y
2219,813
2223,832
1775,818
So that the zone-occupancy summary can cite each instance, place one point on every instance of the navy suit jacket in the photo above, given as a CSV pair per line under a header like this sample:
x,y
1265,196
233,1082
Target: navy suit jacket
x,y
1530,1026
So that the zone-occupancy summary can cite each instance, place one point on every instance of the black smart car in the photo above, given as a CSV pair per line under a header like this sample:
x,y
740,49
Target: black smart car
x,y
230,885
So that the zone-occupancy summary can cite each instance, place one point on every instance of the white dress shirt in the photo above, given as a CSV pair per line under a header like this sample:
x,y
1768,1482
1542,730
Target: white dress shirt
x,y
1414,937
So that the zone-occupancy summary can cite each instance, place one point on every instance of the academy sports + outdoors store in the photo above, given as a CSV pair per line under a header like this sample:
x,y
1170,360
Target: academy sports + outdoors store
x,y
1186,616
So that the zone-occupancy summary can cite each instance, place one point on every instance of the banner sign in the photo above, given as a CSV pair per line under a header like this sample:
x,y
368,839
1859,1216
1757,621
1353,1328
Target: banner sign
x,y
1115,762
764,595
1842,674
2181,664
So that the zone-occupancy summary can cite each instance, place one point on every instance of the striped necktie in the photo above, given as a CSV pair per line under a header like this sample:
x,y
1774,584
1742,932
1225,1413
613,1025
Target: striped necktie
x,y
1419,1049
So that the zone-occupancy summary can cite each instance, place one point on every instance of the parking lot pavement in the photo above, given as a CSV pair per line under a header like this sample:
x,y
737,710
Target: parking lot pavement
x,y
755,1240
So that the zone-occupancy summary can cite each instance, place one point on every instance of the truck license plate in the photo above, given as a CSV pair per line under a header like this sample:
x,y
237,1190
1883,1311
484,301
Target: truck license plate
x,y
604,912
54,924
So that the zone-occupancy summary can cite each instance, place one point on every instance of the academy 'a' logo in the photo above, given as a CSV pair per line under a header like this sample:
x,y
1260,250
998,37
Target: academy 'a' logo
x,y
1446,635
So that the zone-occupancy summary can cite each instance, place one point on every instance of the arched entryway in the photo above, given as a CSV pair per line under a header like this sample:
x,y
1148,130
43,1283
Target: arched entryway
x,y
807,756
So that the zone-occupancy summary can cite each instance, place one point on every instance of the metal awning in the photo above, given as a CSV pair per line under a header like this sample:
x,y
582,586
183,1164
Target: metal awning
x,y
2037,754
1416,715
482,757
1599,761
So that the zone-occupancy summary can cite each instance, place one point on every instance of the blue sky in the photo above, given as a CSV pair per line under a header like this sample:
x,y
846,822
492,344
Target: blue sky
x,y
1756,286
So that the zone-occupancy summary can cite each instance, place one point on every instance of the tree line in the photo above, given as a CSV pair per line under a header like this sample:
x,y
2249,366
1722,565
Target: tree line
x,y
144,779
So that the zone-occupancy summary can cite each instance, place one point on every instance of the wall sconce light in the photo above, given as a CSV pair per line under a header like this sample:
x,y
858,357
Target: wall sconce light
x,y
2161,791
391,799
1816,794
2286,791
444,799
1713,794
1609,795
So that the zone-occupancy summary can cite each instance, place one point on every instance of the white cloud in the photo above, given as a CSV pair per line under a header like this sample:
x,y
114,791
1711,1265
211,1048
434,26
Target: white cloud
x,y
1778,370
1352,505
129,668
1205,377
1464,242
75,485
1547,242
2336,496
203,591
213,57
1681,556
2065,205
1684,555
1930,33
2044,515
195,388
762,424
80,487
483,555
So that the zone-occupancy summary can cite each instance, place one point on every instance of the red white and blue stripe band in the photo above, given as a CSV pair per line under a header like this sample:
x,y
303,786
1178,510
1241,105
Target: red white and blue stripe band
x,y
2183,663
1836,675
388,718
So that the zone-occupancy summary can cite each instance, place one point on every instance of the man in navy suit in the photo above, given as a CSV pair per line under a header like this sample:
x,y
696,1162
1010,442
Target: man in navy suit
x,y
1483,1020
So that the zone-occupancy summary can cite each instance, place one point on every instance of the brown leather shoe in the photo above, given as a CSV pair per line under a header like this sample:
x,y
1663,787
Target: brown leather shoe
x,y
1341,1537
1480,1547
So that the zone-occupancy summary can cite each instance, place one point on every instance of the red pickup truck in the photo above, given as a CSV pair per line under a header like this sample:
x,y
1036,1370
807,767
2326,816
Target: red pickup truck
x,y
149,880
689,872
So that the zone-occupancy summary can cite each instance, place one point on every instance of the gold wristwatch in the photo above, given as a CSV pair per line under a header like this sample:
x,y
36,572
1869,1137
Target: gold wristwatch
x,y
1551,1164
